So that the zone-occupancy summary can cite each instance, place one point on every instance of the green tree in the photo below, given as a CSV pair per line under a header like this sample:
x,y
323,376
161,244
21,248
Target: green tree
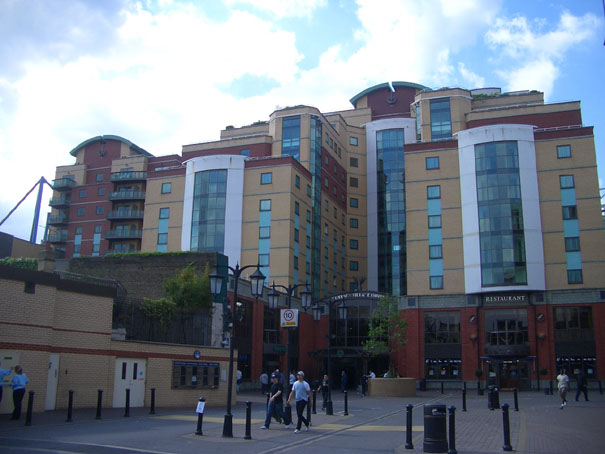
x,y
158,311
22,262
387,330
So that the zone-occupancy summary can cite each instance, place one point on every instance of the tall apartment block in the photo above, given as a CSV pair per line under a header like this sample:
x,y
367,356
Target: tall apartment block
x,y
479,210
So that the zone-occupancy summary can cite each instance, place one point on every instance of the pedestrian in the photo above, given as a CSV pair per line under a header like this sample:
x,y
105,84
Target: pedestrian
x,y
239,380
264,383
4,373
301,392
275,403
18,384
364,384
372,374
343,381
291,381
563,386
582,386
324,388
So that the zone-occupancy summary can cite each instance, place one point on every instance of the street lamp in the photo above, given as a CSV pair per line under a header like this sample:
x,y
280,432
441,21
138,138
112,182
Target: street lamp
x,y
342,314
305,296
257,281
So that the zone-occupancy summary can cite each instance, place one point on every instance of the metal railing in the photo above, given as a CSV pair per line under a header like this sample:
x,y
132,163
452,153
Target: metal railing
x,y
127,195
128,176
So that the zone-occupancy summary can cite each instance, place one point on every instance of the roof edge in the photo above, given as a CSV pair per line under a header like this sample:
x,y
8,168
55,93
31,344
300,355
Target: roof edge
x,y
367,91
112,137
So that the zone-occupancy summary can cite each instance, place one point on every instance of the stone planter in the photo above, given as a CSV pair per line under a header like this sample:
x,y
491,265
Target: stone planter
x,y
392,387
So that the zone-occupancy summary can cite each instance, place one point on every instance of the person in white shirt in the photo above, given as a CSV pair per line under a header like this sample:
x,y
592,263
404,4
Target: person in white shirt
x,y
301,392
239,380
563,385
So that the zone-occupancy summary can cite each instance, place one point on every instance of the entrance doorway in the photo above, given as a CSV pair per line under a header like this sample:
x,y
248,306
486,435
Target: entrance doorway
x,y
509,374
129,374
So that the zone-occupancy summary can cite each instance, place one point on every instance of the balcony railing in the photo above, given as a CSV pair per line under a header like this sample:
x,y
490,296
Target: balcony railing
x,y
123,234
63,184
60,219
59,202
127,195
128,176
125,214
59,236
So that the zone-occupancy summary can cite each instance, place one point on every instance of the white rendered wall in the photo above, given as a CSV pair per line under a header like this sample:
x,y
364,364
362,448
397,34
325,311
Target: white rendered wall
x,y
234,164
534,250
409,127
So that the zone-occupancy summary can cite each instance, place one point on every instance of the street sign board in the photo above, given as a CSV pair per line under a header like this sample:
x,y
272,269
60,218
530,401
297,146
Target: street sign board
x,y
289,318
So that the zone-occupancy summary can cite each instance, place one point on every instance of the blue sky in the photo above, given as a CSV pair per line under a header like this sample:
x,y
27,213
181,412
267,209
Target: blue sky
x,y
164,73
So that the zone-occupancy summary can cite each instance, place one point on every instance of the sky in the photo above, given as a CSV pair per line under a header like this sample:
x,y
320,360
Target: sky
x,y
165,73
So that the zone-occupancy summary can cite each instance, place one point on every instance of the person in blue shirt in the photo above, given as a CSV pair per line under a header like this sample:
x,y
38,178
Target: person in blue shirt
x,y
18,384
3,373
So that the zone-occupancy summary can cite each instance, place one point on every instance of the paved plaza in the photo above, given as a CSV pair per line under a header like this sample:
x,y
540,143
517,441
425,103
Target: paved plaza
x,y
373,425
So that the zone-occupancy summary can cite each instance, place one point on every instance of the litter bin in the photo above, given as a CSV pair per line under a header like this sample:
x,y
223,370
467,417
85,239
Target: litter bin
x,y
493,397
422,384
435,437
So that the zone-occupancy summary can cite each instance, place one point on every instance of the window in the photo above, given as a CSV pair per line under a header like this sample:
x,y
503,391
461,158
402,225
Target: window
x,y
266,178
354,162
99,177
436,251
566,181
166,188
82,193
435,221
353,244
99,210
442,327
297,181
353,202
264,232
80,212
326,182
436,282
353,182
572,244
296,208
101,191
563,151
441,125
433,192
432,163
574,276
353,141
327,205
245,152
79,230
354,223
263,259
265,205
191,375
570,212
296,235
335,213
309,190
353,265
331,143
327,160
295,263
290,144
162,238
164,213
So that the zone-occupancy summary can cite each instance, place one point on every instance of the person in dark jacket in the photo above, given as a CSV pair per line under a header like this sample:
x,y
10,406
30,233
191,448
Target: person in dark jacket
x,y
582,386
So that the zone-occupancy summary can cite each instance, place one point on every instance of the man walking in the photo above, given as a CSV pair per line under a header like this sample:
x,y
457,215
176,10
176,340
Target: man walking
x,y
18,384
301,391
275,403
581,383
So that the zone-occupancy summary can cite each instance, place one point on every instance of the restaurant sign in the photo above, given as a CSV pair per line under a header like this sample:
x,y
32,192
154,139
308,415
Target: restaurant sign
x,y
496,299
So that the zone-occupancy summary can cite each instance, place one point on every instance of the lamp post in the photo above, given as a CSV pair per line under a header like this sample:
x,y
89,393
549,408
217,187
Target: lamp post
x,y
342,314
305,296
257,281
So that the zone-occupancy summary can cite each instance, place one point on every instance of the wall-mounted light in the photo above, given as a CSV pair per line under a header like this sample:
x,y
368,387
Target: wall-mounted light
x,y
540,316
541,336
473,338
472,319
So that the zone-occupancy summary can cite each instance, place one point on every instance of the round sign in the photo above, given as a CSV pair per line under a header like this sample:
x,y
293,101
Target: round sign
x,y
340,353
196,354
288,315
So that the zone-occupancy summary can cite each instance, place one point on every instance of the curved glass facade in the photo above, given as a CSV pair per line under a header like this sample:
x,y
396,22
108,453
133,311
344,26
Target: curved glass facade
x,y
391,212
208,217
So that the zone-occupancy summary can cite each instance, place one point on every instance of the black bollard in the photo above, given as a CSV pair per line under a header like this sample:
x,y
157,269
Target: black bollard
x,y
309,413
506,427
452,431
99,402
200,415
30,409
152,409
70,405
127,406
408,426
516,399
314,401
464,386
441,387
346,403
248,435
464,400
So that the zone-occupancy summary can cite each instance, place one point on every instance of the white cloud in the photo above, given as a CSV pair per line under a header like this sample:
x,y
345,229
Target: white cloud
x,y
282,8
472,79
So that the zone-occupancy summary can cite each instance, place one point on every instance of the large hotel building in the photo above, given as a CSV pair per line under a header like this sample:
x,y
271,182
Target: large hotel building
x,y
479,210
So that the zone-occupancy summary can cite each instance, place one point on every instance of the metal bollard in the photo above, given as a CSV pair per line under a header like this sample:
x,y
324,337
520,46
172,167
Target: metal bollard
x,y
314,401
464,386
464,400
516,399
70,405
200,415
248,435
408,426
309,413
30,409
346,403
452,431
506,428
99,402
441,387
127,406
152,409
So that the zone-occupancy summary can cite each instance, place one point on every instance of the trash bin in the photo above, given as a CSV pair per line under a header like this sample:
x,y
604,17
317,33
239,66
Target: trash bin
x,y
493,397
422,384
435,436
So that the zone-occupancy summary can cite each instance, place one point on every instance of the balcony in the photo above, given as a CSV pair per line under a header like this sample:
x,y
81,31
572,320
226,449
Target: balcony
x,y
63,184
60,202
125,214
60,219
58,236
124,234
127,195
118,177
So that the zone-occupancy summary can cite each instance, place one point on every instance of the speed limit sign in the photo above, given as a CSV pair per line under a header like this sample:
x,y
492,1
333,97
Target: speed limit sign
x,y
289,318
